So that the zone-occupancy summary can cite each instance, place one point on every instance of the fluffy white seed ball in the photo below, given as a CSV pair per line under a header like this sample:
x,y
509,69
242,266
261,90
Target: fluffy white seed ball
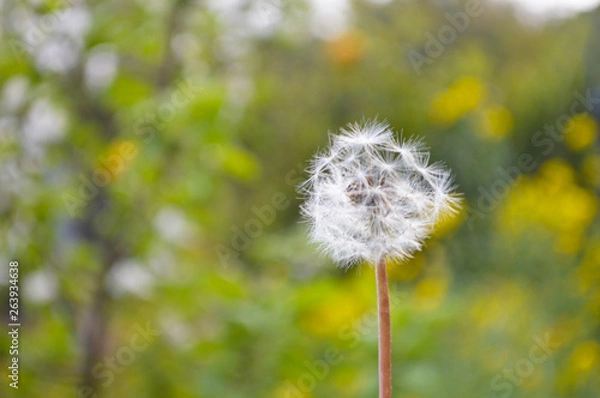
x,y
369,196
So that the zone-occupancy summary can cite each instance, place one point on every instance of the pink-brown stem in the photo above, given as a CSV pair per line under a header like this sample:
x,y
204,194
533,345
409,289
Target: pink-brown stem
x,y
385,332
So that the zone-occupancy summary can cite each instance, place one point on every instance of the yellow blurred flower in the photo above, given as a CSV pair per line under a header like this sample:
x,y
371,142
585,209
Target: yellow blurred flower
x,y
497,305
118,157
449,222
580,365
457,100
340,307
430,293
287,389
581,132
553,201
589,270
585,357
347,380
590,169
593,304
588,275
495,123
565,330
346,49
399,270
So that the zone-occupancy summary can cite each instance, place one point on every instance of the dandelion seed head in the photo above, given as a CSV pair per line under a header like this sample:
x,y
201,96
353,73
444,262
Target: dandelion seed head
x,y
370,196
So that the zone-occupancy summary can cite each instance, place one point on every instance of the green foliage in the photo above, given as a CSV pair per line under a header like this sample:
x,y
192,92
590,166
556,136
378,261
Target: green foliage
x,y
164,197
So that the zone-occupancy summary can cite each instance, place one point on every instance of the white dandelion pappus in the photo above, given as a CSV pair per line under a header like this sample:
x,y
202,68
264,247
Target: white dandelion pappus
x,y
370,197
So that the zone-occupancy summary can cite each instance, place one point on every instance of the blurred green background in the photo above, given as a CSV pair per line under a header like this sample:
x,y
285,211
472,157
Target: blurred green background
x,y
150,151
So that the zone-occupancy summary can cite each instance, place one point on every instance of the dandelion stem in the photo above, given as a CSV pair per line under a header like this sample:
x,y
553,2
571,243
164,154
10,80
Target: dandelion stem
x,y
385,334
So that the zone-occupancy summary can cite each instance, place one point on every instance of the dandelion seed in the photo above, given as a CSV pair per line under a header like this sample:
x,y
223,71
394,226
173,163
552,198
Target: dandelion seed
x,y
370,198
